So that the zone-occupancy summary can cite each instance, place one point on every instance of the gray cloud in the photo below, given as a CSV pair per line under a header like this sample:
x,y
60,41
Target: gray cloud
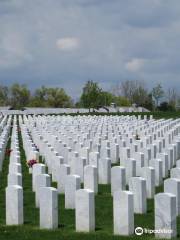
x,y
65,43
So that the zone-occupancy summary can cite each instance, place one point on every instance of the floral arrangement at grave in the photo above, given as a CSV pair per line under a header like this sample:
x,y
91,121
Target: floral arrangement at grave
x,y
137,137
8,151
31,162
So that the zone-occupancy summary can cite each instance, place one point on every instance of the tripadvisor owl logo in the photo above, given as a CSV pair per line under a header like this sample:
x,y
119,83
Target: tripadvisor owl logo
x,y
139,231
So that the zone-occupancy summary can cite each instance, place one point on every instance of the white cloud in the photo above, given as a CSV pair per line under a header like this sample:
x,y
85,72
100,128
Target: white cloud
x,y
135,64
67,44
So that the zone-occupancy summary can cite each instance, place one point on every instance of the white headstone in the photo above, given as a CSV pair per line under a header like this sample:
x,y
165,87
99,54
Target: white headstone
x,y
148,173
14,205
15,167
41,180
165,215
85,210
91,178
175,173
172,185
72,183
130,165
62,173
123,209
137,185
37,169
118,179
158,166
48,208
15,179
104,171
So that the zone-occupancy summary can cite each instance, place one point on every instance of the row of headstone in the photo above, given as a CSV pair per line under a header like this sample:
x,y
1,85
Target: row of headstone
x,y
30,148
5,126
46,197
106,155
142,176
14,190
132,169
48,209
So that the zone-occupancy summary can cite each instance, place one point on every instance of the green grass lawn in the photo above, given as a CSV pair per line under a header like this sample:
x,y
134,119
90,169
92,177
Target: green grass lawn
x,y
30,230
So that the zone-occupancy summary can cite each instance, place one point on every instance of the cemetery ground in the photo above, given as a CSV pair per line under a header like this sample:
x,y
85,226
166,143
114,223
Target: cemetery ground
x,y
66,230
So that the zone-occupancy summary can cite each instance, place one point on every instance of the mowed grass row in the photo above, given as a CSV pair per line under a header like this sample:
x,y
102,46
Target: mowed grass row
x,y
30,230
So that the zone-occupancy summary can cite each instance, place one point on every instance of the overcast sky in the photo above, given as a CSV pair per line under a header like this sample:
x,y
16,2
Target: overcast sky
x,y
66,42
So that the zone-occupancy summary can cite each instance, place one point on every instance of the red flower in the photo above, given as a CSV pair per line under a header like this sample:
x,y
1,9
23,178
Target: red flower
x,y
8,152
31,162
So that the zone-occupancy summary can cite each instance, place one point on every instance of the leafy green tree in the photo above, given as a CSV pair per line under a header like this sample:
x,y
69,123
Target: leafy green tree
x,y
57,97
39,99
139,95
51,97
19,96
4,98
106,98
165,106
91,96
142,97
157,93
149,102
94,97
122,101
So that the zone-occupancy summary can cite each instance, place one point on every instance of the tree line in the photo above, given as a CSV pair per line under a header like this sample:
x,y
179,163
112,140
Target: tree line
x,y
125,93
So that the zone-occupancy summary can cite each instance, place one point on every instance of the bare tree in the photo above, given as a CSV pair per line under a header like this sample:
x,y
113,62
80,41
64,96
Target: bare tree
x,y
172,96
134,90
127,89
157,93
116,89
